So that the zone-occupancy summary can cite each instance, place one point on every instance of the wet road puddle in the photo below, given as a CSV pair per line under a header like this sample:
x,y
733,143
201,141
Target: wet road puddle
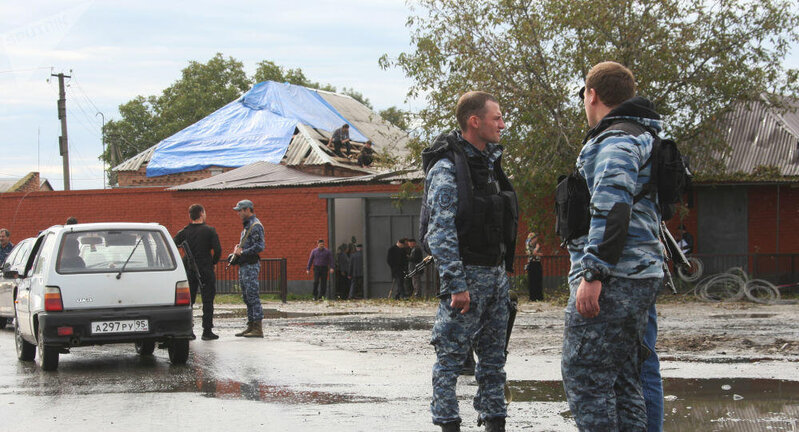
x,y
142,375
257,391
379,324
703,404
277,314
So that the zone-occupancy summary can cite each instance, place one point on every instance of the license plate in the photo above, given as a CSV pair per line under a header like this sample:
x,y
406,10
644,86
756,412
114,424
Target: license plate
x,y
127,326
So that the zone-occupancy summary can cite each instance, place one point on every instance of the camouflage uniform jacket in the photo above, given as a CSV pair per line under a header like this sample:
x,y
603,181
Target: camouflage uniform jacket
x,y
442,234
254,243
622,240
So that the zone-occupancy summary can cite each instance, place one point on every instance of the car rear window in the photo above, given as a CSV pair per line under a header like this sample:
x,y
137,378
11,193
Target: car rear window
x,y
106,251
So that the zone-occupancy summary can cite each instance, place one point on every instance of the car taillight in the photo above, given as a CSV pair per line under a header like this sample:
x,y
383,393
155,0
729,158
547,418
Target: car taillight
x,y
182,294
52,299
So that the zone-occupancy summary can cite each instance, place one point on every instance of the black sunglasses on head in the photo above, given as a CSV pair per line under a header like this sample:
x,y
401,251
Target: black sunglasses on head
x,y
581,93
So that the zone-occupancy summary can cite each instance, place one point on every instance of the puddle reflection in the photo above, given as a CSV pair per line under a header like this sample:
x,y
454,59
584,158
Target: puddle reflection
x,y
704,404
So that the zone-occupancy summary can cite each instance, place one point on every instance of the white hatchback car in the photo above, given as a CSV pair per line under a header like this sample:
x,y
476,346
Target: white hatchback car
x,y
95,284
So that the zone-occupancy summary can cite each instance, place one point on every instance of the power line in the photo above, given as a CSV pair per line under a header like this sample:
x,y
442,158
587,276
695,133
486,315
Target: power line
x,y
86,95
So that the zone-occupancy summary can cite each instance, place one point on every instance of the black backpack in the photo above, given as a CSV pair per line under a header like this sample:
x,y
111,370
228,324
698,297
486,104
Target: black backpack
x,y
670,178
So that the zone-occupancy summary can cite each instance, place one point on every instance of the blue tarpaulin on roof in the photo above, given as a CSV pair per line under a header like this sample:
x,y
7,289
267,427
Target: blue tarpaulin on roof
x,y
256,127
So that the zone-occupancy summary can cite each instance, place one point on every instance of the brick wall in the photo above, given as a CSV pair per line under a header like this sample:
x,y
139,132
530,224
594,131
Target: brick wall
x,y
139,178
293,218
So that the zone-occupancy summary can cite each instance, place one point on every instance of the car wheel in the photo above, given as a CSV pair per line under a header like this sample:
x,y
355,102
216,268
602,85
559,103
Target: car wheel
x,y
46,356
145,348
3,323
26,351
178,351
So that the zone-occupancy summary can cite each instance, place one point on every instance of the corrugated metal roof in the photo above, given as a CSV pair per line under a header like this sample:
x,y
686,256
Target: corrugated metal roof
x,y
761,135
269,175
136,162
257,175
387,138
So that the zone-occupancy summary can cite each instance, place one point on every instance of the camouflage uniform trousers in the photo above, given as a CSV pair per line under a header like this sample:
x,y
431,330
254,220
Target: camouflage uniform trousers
x,y
248,280
484,326
602,356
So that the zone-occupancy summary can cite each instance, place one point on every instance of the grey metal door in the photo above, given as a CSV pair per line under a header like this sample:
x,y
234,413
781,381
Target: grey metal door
x,y
723,221
385,224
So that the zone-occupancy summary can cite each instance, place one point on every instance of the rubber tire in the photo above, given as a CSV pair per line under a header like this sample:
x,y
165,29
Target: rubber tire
x,y
145,348
178,351
3,323
46,356
26,351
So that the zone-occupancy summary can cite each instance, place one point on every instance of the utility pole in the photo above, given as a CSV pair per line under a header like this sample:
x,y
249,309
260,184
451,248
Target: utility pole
x,y
103,142
63,145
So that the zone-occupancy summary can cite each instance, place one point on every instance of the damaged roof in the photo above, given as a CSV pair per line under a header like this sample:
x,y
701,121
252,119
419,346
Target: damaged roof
x,y
268,175
308,144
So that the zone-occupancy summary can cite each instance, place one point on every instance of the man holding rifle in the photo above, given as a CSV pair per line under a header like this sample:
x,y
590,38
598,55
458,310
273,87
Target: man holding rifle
x,y
201,256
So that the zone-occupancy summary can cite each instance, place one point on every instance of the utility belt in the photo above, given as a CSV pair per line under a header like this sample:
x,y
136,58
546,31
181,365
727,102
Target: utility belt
x,y
248,259
471,258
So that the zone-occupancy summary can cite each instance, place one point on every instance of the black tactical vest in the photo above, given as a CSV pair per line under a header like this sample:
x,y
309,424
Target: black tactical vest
x,y
487,216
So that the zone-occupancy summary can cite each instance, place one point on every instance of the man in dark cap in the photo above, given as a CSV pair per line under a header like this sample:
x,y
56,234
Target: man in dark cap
x,y
250,245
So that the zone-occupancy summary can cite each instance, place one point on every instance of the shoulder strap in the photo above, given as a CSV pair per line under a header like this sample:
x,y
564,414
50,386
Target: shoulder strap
x,y
627,127
247,234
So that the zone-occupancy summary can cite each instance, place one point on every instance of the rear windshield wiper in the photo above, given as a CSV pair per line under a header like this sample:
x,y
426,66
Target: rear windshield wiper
x,y
119,275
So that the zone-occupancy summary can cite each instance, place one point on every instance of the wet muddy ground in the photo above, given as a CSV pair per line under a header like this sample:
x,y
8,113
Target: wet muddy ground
x,y
358,366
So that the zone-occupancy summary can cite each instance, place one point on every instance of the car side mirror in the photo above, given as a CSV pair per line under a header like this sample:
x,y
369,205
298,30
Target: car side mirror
x,y
10,274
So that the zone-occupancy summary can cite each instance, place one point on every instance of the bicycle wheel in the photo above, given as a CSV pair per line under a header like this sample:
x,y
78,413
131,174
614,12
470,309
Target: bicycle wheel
x,y
692,272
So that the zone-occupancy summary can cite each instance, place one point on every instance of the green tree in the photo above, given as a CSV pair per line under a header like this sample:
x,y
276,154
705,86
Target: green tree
x,y
268,70
692,58
397,117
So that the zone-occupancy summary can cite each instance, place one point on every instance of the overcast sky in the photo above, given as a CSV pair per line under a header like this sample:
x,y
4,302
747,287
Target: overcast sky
x,y
116,50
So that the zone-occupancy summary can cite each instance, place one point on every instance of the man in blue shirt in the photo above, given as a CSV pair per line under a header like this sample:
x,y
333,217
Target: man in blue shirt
x,y
322,261
5,245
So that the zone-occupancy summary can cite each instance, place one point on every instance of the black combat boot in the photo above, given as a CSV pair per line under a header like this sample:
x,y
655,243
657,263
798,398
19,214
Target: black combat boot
x,y
496,424
451,427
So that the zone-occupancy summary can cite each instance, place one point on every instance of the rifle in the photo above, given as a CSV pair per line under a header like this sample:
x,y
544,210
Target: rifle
x,y
193,264
419,267
672,248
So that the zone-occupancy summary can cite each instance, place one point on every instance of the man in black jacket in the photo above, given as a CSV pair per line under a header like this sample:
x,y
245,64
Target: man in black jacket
x,y
397,260
205,248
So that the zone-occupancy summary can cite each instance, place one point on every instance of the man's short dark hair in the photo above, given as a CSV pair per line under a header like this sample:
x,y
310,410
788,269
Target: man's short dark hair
x,y
72,220
402,240
613,83
346,126
472,103
410,240
195,211
8,233
320,241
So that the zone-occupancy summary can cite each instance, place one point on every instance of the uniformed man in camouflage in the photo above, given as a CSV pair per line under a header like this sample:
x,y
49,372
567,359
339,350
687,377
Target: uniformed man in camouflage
x,y
617,268
468,224
251,243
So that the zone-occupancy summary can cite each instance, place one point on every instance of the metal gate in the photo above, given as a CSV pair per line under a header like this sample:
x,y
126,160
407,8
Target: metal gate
x,y
271,278
387,220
